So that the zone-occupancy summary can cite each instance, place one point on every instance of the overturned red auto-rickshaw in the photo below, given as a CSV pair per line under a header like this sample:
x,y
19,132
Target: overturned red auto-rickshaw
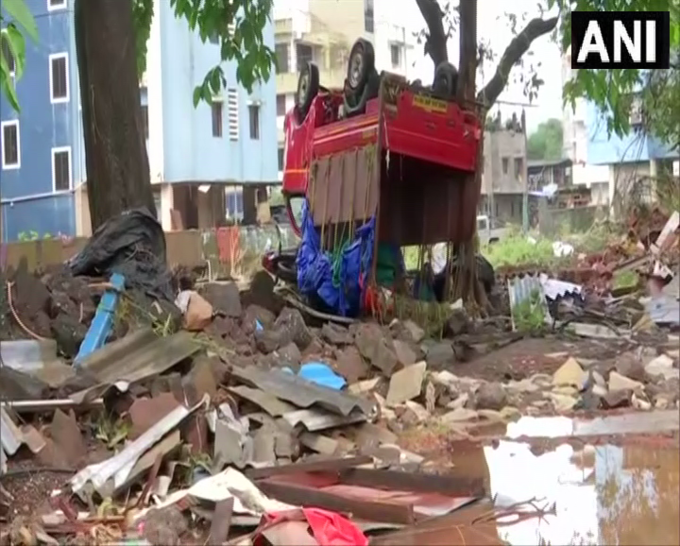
x,y
380,164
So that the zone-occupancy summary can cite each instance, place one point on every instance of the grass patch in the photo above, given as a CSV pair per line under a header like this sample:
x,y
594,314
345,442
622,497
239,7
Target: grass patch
x,y
517,249
529,314
625,279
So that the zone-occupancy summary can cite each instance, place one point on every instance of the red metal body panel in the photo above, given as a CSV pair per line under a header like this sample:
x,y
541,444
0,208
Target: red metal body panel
x,y
415,126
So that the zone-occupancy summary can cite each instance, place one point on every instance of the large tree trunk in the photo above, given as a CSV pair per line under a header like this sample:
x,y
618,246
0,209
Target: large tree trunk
x,y
466,283
115,148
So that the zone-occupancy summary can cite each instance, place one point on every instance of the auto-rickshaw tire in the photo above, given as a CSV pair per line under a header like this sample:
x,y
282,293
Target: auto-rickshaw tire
x,y
445,80
305,96
362,49
356,104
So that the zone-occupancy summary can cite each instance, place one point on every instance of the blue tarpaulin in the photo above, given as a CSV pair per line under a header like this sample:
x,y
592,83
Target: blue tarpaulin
x,y
334,277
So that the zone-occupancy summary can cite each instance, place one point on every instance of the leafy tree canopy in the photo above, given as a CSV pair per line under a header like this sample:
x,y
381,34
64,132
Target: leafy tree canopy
x,y
17,22
546,142
613,91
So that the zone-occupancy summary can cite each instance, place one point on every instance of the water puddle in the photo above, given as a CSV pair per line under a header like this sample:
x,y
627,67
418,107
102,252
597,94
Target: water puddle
x,y
602,494
564,427
584,495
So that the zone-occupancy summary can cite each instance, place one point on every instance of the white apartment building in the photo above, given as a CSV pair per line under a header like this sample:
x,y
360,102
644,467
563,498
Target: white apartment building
x,y
323,31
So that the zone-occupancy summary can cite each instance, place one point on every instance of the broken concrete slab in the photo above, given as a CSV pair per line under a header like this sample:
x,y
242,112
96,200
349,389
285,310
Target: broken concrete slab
x,y
406,384
662,366
570,373
621,382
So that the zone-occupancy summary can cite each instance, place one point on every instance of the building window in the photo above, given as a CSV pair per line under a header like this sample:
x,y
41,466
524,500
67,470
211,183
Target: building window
x,y
254,117
282,58
7,52
280,105
304,54
145,120
281,152
216,109
395,54
61,168
369,23
55,4
11,145
519,167
59,77
505,162
232,113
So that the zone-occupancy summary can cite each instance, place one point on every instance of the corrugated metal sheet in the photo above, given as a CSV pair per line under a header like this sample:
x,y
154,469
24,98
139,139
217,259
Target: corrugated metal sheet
x,y
135,357
11,441
12,438
303,393
520,289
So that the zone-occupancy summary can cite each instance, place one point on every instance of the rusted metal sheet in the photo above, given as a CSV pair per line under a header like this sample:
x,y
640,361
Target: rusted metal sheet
x,y
308,496
413,481
318,465
344,187
302,393
468,526
139,355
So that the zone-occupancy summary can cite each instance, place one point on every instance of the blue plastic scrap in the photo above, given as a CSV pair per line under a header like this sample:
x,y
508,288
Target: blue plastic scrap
x,y
334,279
103,320
319,373
322,374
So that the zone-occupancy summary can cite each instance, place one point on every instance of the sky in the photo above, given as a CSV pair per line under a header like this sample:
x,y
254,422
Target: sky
x,y
492,24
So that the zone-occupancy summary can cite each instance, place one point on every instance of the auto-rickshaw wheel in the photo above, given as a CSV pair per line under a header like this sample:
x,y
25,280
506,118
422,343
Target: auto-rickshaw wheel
x,y
360,66
308,88
445,79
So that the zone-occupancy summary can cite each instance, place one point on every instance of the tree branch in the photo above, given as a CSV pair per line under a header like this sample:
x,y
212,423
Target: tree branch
x,y
519,45
435,44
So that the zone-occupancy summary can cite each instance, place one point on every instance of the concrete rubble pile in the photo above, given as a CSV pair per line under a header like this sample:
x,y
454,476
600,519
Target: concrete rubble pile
x,y
229,417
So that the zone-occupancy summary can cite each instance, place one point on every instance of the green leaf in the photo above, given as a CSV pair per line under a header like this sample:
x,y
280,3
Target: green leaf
x,y
197,96
17,47
21,15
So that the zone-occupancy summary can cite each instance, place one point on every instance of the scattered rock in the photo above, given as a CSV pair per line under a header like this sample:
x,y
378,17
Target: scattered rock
x,y
406,384
617,399
336,334
630,366
641,403
225,298
199,313
490,396
350,365
293,328
440,356
562,403
570,374
459,415
405,355
619,382
460,402
458,322
376,348
661,367
290,356
416,333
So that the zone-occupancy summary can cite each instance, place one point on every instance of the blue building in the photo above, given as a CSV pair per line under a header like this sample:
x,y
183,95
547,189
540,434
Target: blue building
x,y
632,158
194,153
41,155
